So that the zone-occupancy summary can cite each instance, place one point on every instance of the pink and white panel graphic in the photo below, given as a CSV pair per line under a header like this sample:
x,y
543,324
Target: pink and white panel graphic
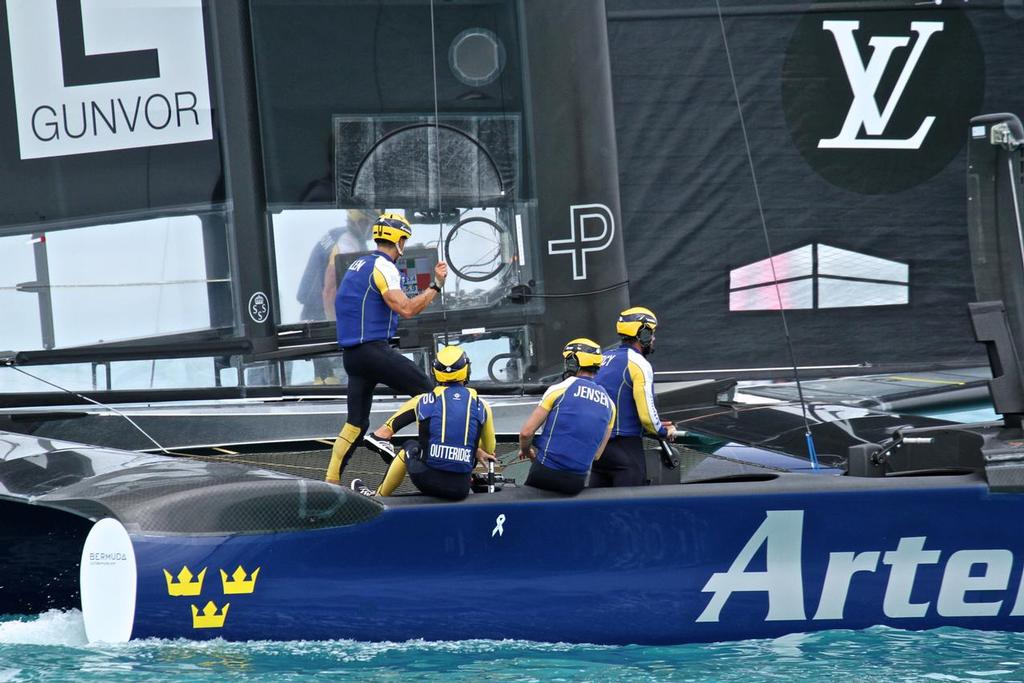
x,y
788,295
818,276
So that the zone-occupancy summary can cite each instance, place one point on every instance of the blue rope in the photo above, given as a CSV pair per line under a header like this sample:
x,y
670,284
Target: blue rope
x,y
810,451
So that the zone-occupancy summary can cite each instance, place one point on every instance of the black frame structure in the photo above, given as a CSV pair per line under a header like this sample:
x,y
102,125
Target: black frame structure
x,y
568,160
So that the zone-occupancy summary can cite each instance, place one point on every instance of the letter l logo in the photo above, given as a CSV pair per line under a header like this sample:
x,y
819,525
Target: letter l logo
x,y
864,81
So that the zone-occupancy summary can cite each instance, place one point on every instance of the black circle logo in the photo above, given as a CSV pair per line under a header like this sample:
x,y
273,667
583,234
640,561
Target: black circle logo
x,y
259,307
878,102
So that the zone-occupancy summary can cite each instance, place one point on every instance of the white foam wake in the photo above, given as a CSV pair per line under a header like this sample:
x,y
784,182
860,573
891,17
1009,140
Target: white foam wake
x,y
54,627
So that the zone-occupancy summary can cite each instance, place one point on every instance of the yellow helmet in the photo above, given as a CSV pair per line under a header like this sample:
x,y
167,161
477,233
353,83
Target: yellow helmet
x,y
391,227
451,365
582,353
638,322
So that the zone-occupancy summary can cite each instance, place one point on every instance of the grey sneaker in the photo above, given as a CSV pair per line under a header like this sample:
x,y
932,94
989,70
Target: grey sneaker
x,y
381,447
362,489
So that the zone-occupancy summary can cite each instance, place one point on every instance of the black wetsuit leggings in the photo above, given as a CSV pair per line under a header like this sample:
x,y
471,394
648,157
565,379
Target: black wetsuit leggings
x,y
367,366
376,363
550,479
438,483
622,464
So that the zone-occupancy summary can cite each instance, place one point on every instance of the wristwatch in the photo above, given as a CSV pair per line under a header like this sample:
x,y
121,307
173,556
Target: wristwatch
x,y
434,286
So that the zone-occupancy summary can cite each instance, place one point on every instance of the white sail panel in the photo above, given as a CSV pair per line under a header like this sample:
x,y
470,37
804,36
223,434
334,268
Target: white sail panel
x,y
834,293
835,261
796,294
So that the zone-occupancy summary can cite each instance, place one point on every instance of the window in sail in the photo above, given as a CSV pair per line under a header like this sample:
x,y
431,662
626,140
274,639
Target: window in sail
x,y
496,355
314,247
329,369
171,373
22,309
74,377
114,282
305,244
140,375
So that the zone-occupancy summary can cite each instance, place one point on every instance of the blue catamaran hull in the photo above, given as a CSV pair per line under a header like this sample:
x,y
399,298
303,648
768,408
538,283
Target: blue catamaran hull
x,y
907,522
710,564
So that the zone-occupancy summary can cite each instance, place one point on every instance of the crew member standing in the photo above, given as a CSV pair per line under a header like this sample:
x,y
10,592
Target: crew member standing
x,y
367,307
578,416
456,430
319,285
629,379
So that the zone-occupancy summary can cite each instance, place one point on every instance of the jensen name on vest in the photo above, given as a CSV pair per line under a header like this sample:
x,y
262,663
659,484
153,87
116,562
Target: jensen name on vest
x,y
592,394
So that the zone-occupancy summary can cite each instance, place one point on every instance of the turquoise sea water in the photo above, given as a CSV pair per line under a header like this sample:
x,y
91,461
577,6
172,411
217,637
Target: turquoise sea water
x,y
981,411
52,647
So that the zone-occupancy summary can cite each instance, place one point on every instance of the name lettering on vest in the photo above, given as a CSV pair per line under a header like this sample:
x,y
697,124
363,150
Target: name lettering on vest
x,y
452,453
592,394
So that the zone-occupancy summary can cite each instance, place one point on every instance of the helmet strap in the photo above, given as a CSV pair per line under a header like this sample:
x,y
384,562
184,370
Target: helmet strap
x,y
645,337
644,346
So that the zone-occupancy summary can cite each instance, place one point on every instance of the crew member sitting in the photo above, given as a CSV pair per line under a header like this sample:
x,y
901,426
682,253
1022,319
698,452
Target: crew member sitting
x,y
578,415
629,379
456,430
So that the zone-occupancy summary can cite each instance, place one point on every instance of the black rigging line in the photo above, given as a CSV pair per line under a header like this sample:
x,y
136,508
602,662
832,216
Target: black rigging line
x,y
764,228
86,398
574,295
510,204
437,160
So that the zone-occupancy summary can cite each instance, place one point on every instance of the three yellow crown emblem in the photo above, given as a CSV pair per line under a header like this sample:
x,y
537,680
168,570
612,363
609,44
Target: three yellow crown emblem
x,y
209,617
236,584
185,586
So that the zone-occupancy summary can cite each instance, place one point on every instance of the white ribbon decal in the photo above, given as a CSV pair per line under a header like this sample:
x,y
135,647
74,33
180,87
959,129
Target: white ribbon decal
x,y
498,528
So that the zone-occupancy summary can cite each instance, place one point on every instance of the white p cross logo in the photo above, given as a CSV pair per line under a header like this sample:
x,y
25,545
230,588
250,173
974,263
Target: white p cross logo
x,y
581,242
864,82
